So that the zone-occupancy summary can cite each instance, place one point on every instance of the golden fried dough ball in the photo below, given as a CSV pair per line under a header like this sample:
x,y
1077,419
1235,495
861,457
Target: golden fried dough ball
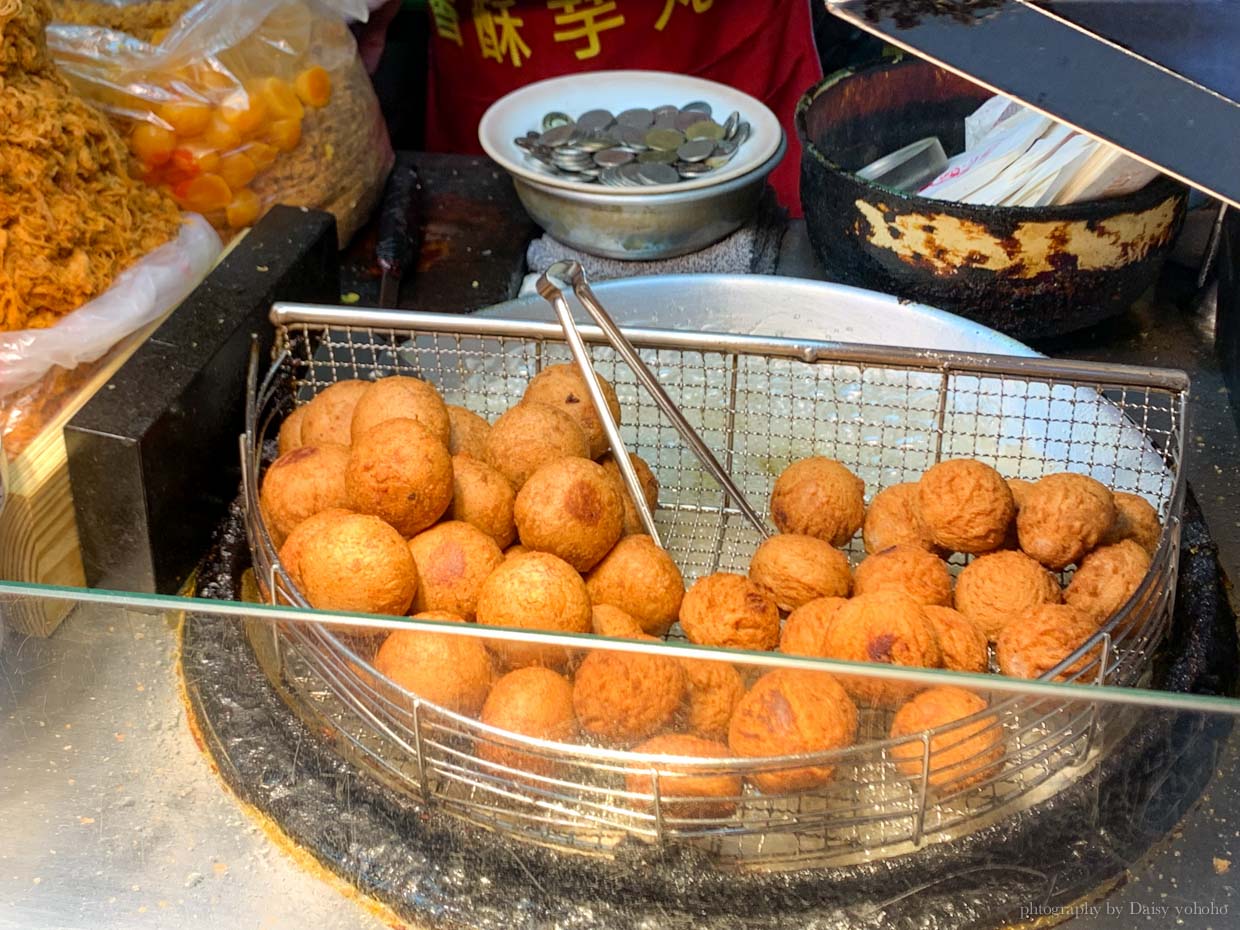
x,y
819,497
962,643
965,505
793,570
1064,516
642,580
622,697
482,497
529,436
290,552
300,484
731,611
891,520
467,433
1019,488
360,564
959,756
563,387
1135,519
1034,643
1107,578
686,791
400,472
789,712
443,616
329,413
650,491
570,508
606,620
535,702
805,630
453,560
402,398
534,591
515,550
887,627
452,672
713,691
921,575
994,588
289,437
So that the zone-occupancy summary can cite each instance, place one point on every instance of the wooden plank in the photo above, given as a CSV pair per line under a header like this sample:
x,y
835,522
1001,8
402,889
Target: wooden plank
x,y
39,539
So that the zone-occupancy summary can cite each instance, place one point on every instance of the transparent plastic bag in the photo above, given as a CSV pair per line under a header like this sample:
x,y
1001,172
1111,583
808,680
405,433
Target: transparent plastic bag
x,y
38,367
238,105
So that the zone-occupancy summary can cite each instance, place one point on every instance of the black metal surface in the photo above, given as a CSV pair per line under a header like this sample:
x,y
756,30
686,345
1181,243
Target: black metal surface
x,y
471,232
856,116
153,455
396,217
439,873
1227,263
1195,38
1087,80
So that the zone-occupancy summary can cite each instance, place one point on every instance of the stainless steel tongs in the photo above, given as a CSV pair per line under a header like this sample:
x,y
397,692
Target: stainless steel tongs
x,y
572,272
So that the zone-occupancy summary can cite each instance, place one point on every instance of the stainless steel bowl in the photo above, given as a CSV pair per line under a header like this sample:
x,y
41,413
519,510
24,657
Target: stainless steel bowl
x,y
636,227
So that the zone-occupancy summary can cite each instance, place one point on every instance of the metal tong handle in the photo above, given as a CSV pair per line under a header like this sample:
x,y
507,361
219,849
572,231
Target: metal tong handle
x,y
572,272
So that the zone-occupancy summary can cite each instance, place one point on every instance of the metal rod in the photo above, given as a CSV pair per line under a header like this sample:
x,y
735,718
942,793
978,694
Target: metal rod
x,y
1211,253
572,272
581,355
923,790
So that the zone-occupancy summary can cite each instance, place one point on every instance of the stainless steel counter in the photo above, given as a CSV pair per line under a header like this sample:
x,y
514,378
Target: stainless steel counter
x,y
112,815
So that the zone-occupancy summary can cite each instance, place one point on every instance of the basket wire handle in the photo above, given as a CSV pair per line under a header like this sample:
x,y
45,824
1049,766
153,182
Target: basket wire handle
x,y
572,272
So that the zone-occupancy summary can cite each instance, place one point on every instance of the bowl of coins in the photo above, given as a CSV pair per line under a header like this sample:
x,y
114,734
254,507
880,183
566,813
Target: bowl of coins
x,y
629,133
615,224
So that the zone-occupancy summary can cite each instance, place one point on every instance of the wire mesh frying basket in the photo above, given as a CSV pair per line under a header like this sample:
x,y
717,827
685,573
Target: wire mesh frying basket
x,y
760,403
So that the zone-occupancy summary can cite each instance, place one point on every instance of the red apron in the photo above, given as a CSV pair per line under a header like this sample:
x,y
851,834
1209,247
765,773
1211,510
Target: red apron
x,y
482,49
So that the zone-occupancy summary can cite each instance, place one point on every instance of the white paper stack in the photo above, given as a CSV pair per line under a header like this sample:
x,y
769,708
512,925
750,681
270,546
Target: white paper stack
x,y
1016,157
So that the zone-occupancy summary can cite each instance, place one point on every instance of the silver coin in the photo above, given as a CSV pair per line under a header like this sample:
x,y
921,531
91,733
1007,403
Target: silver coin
x,y
657,156
633,137
696,150
597,143
724,151
742,133
629,173
557,136
612,158
594,120
654,173
665,122
730,124
666,111
555,118
687,118
548,168
693,170
699,106
637,117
